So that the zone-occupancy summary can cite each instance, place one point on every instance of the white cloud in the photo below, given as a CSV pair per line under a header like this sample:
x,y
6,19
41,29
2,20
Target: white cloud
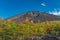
x,y
55,12
43,4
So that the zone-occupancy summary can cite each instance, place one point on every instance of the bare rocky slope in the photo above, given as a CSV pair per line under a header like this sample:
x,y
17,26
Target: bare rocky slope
x,y
35,16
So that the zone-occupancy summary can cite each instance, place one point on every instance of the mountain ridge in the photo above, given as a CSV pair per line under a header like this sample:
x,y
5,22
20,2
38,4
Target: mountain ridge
x,y
35,16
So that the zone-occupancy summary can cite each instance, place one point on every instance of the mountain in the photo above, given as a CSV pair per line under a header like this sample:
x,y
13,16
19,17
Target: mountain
x,y
35,16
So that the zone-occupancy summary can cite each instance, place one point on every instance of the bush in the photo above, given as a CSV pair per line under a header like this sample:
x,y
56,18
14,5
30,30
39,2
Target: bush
x,y
9,30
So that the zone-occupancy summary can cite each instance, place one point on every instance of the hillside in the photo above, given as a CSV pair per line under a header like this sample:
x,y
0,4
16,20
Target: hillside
x,y
35,16
44,30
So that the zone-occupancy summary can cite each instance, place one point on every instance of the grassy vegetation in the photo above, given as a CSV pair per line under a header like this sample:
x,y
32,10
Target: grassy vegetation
x,y
9,30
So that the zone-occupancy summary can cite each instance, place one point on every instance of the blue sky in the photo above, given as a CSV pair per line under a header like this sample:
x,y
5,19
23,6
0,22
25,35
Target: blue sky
x,y
10,8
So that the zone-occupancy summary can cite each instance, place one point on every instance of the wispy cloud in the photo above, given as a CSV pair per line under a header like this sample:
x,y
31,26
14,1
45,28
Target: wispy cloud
x,y
55,12
43,4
